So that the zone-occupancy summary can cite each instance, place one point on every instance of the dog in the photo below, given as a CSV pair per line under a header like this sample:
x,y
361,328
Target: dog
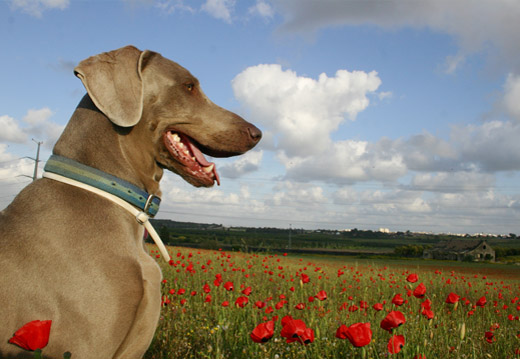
x,y
74,257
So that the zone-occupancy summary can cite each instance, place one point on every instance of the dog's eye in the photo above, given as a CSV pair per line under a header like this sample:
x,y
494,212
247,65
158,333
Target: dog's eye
x,y
190,87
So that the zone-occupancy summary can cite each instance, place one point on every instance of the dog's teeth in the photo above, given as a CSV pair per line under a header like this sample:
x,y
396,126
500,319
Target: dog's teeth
x,y
186,152
176,137
193,159
208,169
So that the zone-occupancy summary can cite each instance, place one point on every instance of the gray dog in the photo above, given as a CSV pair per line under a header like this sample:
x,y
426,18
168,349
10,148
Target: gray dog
x,y
75,257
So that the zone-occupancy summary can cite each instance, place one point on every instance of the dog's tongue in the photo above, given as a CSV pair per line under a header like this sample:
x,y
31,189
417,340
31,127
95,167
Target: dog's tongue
x,y
202,160
198,155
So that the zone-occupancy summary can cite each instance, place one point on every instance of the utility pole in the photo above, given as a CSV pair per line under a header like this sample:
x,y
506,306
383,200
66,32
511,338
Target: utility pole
x,y
290,230
36,160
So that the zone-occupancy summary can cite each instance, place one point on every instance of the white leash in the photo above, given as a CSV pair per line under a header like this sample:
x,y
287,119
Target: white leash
x,y
141,217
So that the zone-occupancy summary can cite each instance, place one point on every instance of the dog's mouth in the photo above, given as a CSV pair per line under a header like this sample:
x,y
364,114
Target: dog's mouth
x,y
184,151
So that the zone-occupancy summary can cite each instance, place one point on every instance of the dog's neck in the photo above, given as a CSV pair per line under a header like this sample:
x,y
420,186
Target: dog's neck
x,y
91,139
65,167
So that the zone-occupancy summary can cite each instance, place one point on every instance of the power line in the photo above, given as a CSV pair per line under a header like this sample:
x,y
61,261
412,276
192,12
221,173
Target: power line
x,y
36,160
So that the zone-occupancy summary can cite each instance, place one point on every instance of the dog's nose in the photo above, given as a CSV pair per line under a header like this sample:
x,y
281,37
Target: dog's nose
x,y
255,133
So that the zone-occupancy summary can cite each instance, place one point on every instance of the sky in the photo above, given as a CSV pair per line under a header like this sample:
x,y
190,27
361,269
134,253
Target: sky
x,y
398,114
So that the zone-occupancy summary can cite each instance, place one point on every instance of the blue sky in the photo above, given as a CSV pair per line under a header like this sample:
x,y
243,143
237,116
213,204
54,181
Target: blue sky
x,y
396,114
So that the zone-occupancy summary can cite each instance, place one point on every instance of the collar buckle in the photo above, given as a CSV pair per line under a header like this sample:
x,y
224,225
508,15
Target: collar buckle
x,y
150,201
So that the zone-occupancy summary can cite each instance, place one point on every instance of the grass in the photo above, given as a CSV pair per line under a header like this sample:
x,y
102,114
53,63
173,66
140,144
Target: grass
x,y
198,324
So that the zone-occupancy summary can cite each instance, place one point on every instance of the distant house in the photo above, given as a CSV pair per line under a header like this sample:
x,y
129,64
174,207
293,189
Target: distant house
x,y
461,249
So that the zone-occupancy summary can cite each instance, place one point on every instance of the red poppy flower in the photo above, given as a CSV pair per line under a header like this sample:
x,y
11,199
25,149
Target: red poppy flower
x,y
259,304
229,286
241,302
207,299
428,313
398,299
481,302
165,301
296,330
452,298
225,303
300,306
378,306
394,319
341,332
420,356
420,291
427,304
359,334
395,344
280,304
247,291
286,319
305,278
322,295
412,278
490,337
263,332
33,335
494,326
306,338
292,328
206,288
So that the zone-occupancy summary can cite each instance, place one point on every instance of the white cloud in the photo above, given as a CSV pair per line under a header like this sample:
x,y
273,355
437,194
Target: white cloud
x,y
349,162
491,147
37,7
482,210
246,163
219,9
37,117
476,24
169,6
291,194
11,132
385,95
38,126
41,127
452,182
453,62
4,155
262,9
13,174
511,100
299,114
425,152
302,111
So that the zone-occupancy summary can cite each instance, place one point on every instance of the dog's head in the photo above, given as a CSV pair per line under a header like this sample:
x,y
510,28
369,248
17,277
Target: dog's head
x,y
164,103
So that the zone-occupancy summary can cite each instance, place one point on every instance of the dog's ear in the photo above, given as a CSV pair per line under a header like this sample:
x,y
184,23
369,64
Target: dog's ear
x,y
113,82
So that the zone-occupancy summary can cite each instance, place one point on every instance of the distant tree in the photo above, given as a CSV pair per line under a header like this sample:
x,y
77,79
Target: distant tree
x,y
409,251
164,233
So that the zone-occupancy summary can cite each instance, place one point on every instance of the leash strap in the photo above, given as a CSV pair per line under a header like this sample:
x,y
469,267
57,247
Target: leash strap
x,y
66,167
140,216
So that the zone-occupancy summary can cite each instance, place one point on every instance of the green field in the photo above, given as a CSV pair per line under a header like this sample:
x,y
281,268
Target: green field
x,y
213,300
363,243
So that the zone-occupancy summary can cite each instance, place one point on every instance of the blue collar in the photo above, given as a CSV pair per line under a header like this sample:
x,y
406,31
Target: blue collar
x,y
130,193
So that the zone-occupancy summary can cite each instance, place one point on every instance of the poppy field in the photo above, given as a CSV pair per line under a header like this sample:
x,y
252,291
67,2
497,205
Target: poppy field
x,y
218,304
